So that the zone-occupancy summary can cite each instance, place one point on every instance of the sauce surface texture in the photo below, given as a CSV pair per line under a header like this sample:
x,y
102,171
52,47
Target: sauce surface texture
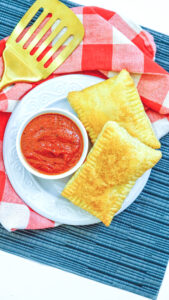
x,y
52,143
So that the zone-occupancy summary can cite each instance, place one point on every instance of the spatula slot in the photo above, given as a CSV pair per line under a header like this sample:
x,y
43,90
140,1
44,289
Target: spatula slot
x,y
59,35
37,30
31,22
35,17
42,37
48,43
59,51
45,51
70,38
57,22
57,45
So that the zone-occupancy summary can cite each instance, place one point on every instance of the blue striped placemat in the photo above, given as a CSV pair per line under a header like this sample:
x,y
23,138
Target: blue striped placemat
x,y
132,253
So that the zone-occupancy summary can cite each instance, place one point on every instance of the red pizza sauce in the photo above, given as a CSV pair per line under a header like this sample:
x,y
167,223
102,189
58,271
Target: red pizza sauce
x,y
52,143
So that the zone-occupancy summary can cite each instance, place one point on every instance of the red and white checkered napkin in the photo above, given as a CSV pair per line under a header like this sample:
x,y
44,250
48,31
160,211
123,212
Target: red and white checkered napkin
x,y
111,43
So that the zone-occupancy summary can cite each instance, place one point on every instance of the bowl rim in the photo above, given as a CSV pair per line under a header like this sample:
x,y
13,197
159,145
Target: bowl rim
x,y
78,124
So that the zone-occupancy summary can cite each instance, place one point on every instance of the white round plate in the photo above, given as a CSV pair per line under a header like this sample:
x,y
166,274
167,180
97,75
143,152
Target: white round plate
x,y
44,196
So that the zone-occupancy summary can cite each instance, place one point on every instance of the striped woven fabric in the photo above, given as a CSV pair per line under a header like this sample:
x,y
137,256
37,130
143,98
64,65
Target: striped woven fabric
x,y
133,252
110,44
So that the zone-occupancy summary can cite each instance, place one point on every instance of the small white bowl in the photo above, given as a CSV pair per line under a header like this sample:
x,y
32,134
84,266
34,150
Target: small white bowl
x,y
71,117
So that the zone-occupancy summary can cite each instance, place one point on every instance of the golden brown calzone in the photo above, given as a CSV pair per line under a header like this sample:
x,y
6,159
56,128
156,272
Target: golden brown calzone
x,y
115,99
112,167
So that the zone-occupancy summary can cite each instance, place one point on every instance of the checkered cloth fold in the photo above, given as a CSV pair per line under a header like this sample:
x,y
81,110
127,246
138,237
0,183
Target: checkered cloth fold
x,y
111,43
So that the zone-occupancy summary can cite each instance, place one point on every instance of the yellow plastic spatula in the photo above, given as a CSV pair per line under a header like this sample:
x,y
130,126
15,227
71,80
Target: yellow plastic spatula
x,y
24,63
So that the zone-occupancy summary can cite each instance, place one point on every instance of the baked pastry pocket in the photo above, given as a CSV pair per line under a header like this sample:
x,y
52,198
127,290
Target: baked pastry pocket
x,y
112,167
115,99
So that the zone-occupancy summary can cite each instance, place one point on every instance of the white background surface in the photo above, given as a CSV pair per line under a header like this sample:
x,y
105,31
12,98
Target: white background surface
x,y
22,279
